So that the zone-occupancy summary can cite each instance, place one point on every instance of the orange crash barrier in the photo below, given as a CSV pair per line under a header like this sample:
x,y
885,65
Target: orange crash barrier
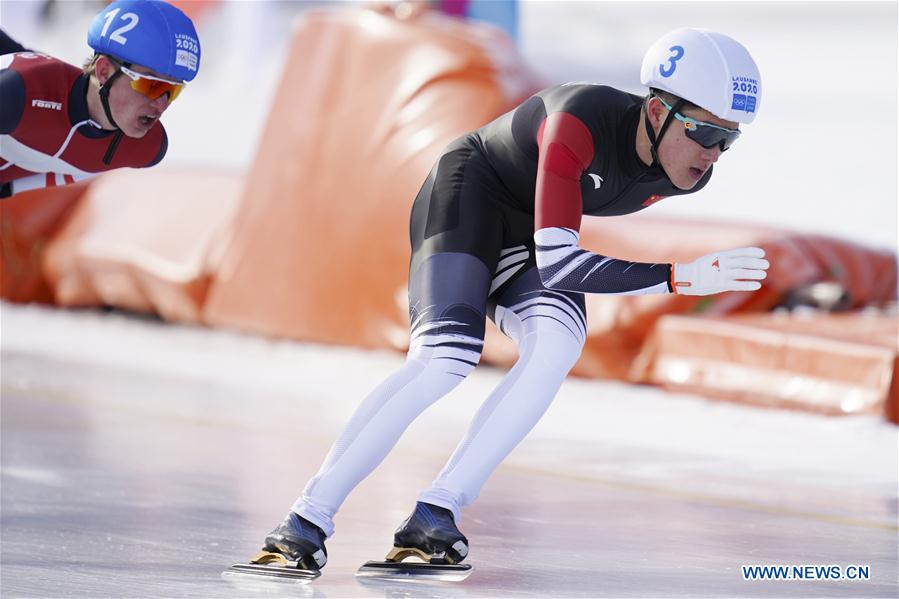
x,y
144,241
196,10
28,221
366,103
827,363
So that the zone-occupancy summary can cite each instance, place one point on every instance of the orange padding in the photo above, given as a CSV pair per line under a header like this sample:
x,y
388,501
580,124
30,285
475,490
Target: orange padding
x,y
828,363
28,221
196,10
145,241
366,103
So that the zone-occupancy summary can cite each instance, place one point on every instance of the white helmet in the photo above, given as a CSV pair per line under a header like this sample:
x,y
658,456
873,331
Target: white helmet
x,y
709,69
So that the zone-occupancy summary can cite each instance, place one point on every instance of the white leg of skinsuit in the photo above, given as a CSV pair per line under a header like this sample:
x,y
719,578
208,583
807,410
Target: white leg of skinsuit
x,y
378,423
448,299
548,348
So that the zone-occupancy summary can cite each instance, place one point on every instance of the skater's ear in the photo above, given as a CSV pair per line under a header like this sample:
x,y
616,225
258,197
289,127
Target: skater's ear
x,y
656,111
102,68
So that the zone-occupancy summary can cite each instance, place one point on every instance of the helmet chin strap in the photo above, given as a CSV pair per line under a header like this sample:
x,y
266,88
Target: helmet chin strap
x,y
654,140
104,100
104,97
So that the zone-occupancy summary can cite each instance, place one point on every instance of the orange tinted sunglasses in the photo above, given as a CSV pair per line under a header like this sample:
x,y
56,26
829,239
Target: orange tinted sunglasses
x,y
150,86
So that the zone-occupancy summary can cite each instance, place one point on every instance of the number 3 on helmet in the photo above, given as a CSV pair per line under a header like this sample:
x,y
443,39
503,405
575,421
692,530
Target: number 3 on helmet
x,y
708,69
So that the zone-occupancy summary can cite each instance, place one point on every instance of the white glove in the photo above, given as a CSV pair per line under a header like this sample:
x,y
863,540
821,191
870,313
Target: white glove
x,y
731,270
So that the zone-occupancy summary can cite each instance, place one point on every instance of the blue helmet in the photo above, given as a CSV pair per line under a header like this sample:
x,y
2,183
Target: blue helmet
x,y
149,33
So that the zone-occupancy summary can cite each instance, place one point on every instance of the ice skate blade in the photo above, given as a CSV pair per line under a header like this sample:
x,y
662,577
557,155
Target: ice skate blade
x,y
415,571
273,566
276,572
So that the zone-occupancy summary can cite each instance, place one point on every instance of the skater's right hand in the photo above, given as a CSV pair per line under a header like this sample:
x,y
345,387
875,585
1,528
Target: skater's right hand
x,y
730,270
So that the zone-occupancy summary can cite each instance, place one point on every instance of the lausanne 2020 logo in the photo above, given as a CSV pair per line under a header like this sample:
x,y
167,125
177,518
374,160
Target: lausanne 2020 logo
x,y
745,90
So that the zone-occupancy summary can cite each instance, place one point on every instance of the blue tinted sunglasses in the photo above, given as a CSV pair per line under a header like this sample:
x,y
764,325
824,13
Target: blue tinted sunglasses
x,y
705,134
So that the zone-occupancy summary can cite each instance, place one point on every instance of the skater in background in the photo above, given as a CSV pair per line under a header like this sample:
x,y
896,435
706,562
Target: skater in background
x,y
494,232
61,123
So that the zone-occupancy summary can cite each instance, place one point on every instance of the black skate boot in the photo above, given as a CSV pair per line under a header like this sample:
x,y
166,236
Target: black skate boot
x,y
429,534
295,549
300,541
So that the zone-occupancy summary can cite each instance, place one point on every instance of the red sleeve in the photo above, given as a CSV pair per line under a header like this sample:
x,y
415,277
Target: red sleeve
x,y
566,149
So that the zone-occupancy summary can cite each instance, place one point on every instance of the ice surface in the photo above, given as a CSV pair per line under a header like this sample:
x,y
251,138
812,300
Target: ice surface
x,y
140,459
